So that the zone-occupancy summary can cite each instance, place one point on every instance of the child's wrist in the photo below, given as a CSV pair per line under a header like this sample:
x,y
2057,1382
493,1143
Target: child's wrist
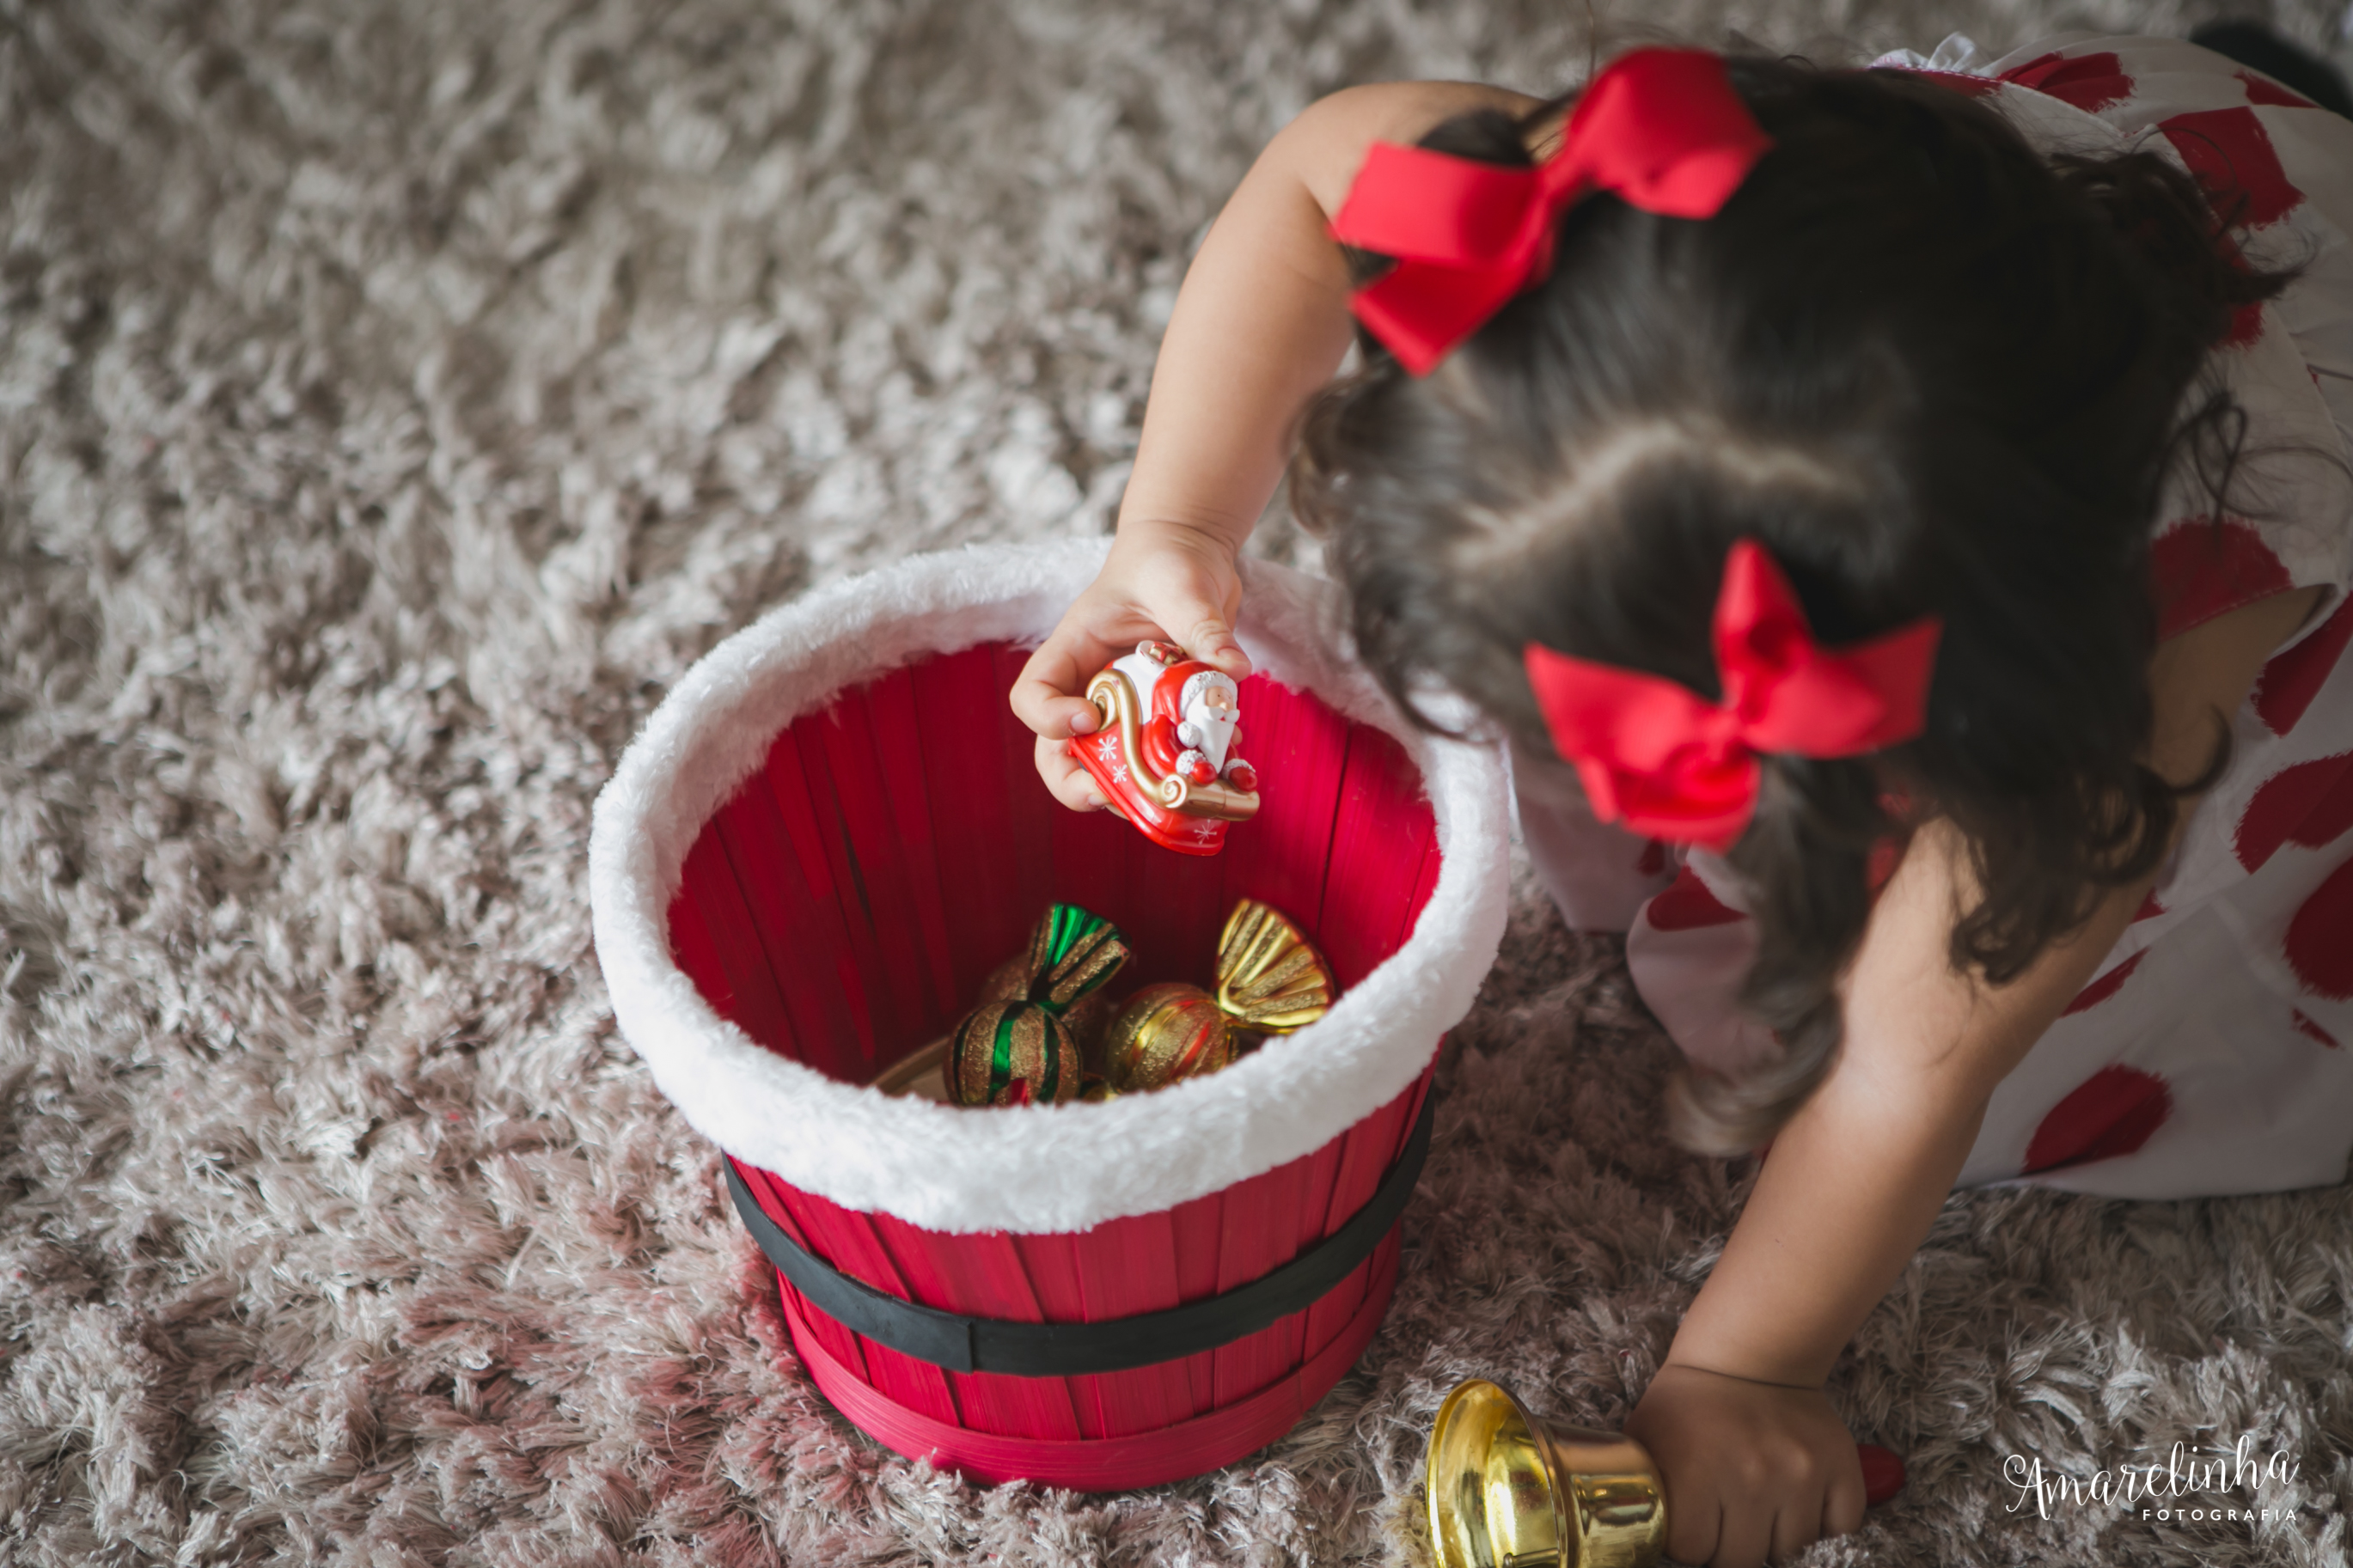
x,y
1154,530
1791,1369
1681,1365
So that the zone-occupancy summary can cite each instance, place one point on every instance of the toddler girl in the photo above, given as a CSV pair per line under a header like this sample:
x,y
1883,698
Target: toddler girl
x,y
1900,519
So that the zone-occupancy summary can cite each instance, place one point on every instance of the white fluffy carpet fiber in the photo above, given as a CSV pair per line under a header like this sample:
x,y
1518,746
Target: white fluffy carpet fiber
x,y
395,399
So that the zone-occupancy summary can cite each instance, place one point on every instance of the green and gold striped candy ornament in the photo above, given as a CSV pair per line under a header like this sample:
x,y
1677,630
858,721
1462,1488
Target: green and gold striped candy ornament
x,y
1020,1051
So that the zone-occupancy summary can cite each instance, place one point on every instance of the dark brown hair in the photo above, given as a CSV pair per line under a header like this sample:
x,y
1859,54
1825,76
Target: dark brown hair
x,y
1934,374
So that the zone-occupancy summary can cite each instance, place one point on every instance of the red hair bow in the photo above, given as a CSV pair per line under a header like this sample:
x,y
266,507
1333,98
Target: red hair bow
x,y
1661,128
1673,765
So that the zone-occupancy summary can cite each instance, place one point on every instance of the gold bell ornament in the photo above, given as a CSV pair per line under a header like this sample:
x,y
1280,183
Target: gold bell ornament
x,y
1024,1046
1508,1489
1270,981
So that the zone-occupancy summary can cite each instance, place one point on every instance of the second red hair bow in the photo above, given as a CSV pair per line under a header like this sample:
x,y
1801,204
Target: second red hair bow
x,y
1669,763
1661,128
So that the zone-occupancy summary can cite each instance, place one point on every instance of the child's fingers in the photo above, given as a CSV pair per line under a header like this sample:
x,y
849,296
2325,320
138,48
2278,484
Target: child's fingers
x,y
1212,642
1844,1503
1743,1538
1046,694
1190,615
1797,1525
1069,781
1694,1528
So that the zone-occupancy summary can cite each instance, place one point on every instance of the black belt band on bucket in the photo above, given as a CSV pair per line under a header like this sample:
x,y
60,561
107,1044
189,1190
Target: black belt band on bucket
x,y
1063,1349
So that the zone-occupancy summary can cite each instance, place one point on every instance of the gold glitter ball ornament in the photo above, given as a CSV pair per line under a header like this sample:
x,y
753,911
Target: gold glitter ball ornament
x,y
1166,1032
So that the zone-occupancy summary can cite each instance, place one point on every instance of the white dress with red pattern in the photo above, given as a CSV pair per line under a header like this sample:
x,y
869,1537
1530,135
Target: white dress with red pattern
x,y
2212,1051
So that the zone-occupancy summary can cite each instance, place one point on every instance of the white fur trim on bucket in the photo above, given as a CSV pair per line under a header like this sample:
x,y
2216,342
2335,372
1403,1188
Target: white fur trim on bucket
x,y
1035,1168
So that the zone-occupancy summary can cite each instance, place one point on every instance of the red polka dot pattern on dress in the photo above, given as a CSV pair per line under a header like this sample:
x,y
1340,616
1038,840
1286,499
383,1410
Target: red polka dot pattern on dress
x,y
2290,681
2246,324
2310,803
2110,1113
2306,1026
2231,154
2090,82
2263,89
2319,945
2199,569
2105,986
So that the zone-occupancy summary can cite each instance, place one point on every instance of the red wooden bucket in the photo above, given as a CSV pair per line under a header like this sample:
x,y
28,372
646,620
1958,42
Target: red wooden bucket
x,y
826,837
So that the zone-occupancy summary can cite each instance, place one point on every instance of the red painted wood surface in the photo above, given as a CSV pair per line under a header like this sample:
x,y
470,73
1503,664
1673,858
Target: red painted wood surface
x,y
842,907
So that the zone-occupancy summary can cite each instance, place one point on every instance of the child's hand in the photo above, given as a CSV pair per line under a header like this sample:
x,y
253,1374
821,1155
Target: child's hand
x,y
1160,580
1753,1470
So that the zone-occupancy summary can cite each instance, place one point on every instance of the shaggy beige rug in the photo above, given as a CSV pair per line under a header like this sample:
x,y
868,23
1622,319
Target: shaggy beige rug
x,y
395,399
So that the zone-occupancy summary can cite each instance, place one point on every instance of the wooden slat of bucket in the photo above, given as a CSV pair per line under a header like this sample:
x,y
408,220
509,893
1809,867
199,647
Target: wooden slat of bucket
x,y
843,801
837,1340
772,1196
1177,906
880,908
981,1274
1424,885
696,954
1261,1234
969,790
1381,834
1196,1226
1370,1147
1051,1262
1314,1215
853,1243
1128,1267
899,749
1088,851
1300,747
800,906
790,926
1030,807
709,881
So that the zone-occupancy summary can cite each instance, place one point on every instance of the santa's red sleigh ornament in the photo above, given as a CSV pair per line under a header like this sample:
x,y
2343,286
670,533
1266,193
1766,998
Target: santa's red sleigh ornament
x,y
1166,751
800,873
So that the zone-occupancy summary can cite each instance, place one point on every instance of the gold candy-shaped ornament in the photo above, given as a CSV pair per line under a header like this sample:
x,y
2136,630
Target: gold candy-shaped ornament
x,y
1270,981
1081,1022
1025,1045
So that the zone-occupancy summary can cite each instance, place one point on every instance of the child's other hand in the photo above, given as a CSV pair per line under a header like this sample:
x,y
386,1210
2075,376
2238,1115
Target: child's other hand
x,y
1162,581
1753,1470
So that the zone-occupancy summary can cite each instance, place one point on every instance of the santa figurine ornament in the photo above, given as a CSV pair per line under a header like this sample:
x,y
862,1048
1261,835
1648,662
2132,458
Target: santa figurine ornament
x,y
1167,751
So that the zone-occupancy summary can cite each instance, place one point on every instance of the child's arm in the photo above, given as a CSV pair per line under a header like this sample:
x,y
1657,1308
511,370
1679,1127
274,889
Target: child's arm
x,y
1755,1459
1260,325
